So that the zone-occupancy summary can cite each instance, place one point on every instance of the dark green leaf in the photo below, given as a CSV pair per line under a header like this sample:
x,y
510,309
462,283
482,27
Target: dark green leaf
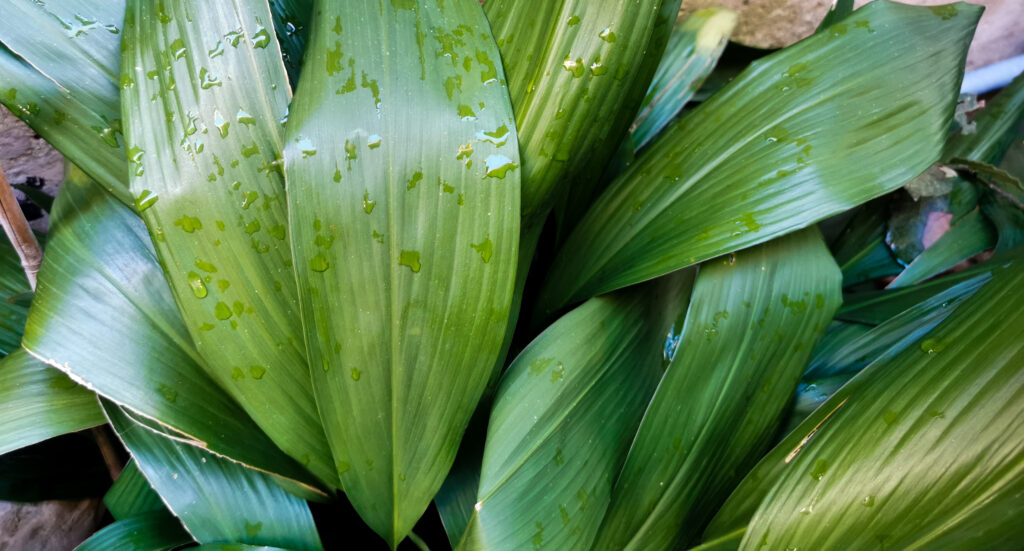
x,y
564,417
154,531
131,494
755,161
753,320
104,315
692,51
14,288
39,402
216,499
208,180
921,450
860,250
968,237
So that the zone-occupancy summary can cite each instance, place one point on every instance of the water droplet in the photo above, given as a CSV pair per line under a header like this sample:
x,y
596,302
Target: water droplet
x,y
206,266
869,501
499,137
598,69
368,205
373,142
932,346
576,67
574,20
356,374
466,113
350,151
306,147
217,50
945,12
607,35
177,47
189,224
319,263
819,469
197,285
207,79
496,166
410,259
245,118
168,393
485,248
222,311
261,38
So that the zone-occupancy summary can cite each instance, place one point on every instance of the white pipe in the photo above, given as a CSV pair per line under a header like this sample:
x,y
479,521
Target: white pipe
x,y
992,77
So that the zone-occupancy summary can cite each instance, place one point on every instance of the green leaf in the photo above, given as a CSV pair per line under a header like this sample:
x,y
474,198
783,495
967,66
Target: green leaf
x,y
217,500
131,494
753,320
207,175
922,450
38,402
693,49
153,531
968,237
13,288
291,23
568,65
416,237
60,73
840,9
103,314
457,496
860,250
564,416
755,161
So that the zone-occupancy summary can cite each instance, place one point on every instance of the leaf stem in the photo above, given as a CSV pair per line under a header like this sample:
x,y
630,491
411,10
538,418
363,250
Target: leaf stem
x,y
418,541
18,231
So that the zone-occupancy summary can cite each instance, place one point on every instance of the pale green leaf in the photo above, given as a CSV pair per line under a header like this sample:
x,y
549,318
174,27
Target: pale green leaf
x,y
103,314
403,195
203,106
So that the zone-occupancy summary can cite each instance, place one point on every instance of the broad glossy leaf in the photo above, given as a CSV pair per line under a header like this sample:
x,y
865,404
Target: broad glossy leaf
x,y
217,500
564,416
103,314
403,190
753,320
968,237
131,494
692,51
893,335
153,531
39,402
755,161
568,65
922,450
206,89
60,75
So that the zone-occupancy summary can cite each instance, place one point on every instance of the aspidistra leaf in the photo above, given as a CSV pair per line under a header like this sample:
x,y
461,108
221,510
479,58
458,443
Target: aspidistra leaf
x,y
692,51
922,450
38,402
755,162
564,417
570,64
103,314
152,531
204,97
216,499
403,190
753,320
59,66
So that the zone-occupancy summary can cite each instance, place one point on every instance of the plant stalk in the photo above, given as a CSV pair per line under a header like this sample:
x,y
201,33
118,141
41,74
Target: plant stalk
x,y
18,231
